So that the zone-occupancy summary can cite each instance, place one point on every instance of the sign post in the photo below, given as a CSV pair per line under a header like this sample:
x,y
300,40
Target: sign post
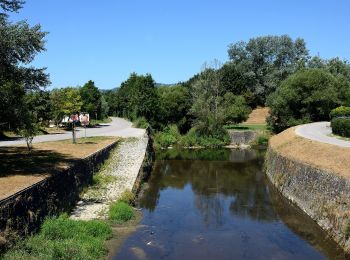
x,y
84,120
73,118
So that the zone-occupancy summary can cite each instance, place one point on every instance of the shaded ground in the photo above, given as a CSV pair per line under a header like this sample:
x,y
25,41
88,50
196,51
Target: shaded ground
x,y
20,169
321,155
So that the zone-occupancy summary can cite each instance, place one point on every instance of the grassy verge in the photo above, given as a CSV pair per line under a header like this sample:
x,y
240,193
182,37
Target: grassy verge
x,y
246,127
63,238
95,122
340,137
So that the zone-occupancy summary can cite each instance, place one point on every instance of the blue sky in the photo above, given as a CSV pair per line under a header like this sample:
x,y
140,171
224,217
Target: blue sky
x,y
107,40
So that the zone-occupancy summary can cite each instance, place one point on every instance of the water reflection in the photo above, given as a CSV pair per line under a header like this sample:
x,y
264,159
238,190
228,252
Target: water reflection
x,y
212,181
205,204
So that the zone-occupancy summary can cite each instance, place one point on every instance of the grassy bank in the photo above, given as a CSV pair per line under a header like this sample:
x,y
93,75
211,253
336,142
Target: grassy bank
x,y
244,127
64,238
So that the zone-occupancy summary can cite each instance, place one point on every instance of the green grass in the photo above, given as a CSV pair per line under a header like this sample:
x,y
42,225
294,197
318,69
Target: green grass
x,y
127,196
63,238
120,212
102,180
247,127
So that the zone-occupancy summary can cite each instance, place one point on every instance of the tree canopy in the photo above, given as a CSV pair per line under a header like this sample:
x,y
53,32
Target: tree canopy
x,y
265,61
91,99
307,96
19,44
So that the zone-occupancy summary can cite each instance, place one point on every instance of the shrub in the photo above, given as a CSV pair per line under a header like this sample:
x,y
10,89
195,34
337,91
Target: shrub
x,y
120,212
306,96
141,122
341,126
127,196
218,138
190,139
262,139
340,112
170,136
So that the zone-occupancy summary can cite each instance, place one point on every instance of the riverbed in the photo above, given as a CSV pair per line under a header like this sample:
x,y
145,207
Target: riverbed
x,y
218,204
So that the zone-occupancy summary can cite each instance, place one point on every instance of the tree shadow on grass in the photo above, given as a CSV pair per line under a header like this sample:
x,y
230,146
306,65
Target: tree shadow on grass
x,y
17,160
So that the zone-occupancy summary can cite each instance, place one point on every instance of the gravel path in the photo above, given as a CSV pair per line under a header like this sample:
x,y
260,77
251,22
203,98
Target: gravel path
x,y
320,132
123,165
118,127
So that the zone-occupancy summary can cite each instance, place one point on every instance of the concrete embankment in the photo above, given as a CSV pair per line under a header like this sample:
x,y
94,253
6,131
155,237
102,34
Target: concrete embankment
x,y
316,177
242,138
129,164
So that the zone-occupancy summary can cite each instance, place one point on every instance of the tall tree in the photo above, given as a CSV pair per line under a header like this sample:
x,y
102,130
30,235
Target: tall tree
x,y
213,106
91,98
138,97
39,103
65,101
269,59
19,44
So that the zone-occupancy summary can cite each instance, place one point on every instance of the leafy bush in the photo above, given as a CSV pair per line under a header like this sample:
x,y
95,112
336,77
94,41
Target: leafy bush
x,y
141,122
341,126
190,139
339,112
63,238
120,212
127,196
170,136
306,96
220,137
262,139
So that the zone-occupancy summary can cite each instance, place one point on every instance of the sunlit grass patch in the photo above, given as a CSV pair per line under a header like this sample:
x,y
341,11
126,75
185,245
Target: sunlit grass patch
x,y
63,238
120,212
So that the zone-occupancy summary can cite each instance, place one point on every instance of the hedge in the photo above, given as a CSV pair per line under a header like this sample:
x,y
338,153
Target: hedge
x,y
340,112
341,126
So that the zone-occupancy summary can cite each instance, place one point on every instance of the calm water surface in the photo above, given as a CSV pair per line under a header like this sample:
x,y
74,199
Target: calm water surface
x,y
218,204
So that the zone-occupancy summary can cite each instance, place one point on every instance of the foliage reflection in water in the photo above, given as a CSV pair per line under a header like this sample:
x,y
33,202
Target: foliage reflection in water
x,y
217,204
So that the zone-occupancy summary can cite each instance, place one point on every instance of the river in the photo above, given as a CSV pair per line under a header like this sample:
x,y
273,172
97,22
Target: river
x,y
218,204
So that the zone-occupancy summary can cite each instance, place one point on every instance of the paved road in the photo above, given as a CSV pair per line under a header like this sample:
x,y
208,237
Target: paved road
x,y
118,127
320,132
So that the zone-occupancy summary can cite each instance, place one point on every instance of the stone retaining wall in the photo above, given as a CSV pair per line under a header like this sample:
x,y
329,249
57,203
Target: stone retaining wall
x,y
321,194
147,164
23,212
242,137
